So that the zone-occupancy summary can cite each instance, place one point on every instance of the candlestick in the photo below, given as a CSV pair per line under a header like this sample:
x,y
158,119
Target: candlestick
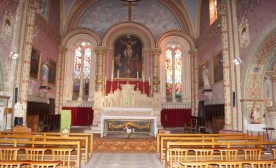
x,y
118,74
143,77
149,81
112,77
137,74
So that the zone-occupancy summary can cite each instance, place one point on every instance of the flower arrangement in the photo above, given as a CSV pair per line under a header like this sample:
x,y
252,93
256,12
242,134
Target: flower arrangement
x,y
129,131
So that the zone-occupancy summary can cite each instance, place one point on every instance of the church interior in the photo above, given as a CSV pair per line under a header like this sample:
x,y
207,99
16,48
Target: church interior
x,y
132,71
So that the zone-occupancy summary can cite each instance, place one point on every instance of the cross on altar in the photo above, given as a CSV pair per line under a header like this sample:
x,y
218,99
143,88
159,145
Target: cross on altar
x,y
130,4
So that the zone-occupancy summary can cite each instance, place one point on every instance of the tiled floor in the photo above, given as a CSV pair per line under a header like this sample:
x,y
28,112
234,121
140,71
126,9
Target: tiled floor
x,y
124,160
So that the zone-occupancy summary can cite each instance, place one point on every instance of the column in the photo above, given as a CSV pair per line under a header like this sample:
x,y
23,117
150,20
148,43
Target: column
x,y
194,68
226,64
156,63
173,75
80,98
99,74
60,78
274,90
29,23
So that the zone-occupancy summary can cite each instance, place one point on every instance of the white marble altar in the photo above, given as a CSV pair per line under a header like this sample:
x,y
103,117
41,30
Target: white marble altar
x,y
125,103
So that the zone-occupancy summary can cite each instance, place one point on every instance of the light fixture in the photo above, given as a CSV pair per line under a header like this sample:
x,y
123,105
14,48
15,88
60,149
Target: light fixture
x,y
13,55
237,61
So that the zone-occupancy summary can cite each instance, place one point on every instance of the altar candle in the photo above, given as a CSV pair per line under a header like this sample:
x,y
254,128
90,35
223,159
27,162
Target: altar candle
x,y
149,80
112,77
143,77
118,73
137,74
105,80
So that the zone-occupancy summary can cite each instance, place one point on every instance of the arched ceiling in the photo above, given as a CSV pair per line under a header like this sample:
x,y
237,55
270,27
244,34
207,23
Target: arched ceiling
x,y
159,16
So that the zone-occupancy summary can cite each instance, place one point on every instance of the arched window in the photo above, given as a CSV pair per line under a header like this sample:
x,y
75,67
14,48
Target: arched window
x,y
213,10
82,66
173,73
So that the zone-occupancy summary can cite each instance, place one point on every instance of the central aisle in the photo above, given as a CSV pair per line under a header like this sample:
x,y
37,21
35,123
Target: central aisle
x,y
124,160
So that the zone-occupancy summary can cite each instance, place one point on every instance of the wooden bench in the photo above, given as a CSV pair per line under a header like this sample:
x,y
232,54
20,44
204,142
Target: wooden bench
x,y
90,136
49,145
164,140
233,164
33,164
192,135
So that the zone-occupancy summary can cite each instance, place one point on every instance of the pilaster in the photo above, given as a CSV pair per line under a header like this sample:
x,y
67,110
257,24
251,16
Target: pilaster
x,y
99,50
156,66
194,94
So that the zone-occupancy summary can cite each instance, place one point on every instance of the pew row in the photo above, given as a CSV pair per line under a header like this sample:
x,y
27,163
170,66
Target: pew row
x,y
32,164
90,136
232,164
83,140
48,145
164,140
159,136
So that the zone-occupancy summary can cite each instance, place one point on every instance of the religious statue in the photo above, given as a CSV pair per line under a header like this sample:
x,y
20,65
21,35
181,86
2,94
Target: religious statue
x,y
19,108
45,74
7,27
205,74
244,33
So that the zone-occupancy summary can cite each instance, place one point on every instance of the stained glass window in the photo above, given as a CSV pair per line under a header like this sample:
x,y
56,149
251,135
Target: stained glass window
x,y
82,66
213,10
173,72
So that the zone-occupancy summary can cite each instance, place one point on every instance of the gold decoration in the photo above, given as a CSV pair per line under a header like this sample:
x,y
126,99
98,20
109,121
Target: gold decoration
x,y
112,125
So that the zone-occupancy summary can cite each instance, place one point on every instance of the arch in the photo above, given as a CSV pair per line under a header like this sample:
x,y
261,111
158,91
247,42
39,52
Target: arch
x,y
69,41
129,28
185,47
262,54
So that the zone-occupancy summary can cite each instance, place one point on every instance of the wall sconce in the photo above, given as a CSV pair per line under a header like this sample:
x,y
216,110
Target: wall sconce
x,y
14,55
237,61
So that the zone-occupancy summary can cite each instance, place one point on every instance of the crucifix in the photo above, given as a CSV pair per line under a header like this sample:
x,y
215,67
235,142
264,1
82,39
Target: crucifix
x,y
129,4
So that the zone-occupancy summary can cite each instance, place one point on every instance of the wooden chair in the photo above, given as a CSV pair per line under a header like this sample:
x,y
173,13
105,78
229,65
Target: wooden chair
x,y
9,164
45,164
228,154
274,153
35,154
175,156
229,164
252,154
262,164
193,165
191,127
63,155
8,153
203,154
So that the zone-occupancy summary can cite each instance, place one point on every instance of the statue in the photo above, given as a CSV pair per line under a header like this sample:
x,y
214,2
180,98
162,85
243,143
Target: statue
x,y
19,108
205,74
45,74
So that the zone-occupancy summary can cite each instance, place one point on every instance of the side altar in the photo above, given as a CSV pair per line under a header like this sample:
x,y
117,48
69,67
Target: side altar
x,y
126,107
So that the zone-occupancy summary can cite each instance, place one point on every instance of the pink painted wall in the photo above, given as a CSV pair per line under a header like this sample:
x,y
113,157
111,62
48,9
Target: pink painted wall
x,y
261,21
5,46
54,14
48,47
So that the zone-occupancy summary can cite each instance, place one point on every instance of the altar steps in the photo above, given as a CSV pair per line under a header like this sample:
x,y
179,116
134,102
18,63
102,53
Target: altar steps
x,y
124,144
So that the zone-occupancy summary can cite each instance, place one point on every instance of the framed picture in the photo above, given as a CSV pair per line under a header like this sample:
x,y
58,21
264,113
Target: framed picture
x,y
128,59
218,68
52,72
35,63
200,70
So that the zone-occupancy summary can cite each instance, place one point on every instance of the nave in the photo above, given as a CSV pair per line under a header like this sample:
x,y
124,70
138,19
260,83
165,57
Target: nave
x,y
124,160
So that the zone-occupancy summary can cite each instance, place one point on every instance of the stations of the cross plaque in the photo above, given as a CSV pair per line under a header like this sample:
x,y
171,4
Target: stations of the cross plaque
x,y
130,4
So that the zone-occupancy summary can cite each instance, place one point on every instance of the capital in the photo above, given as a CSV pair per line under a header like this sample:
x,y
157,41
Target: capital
x,y
193,52
62,49
100,50
156,51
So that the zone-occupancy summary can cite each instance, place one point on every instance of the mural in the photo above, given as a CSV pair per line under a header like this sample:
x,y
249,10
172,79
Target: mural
x,y
218,68
35,63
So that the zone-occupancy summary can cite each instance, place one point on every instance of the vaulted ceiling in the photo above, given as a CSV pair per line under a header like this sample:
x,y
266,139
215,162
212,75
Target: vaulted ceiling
x,y
159,16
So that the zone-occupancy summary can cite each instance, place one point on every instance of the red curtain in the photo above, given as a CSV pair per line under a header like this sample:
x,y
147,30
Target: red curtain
x,y
115,84
81,116
175,117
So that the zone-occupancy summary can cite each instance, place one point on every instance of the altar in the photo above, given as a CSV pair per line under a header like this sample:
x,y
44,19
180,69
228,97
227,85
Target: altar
x,y
139,119
126,107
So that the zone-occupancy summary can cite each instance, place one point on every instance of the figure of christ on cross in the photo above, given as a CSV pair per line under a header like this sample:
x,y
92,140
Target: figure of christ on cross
x,y
129,4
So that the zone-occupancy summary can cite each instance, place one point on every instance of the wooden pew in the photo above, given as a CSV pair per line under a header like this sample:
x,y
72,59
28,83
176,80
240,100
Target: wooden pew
x,y
164,140
83,140
233,164
193,135
90,136
21,163
49,145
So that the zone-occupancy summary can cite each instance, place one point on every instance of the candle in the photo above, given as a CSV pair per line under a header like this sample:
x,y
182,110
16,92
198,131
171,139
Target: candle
x,y
118,73
112,77
105,80
149,80
143,77
137,74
